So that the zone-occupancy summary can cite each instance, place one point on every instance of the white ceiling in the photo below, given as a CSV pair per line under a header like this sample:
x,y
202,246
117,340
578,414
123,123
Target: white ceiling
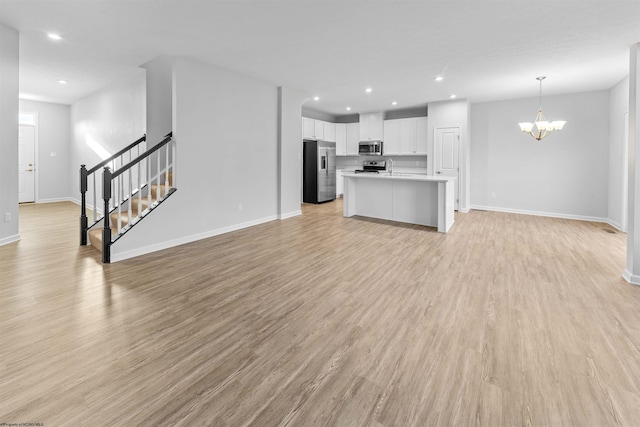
x,y
486,50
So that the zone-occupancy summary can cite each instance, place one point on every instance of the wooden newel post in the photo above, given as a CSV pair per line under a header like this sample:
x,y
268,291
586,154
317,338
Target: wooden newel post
x,y
83,205
106,231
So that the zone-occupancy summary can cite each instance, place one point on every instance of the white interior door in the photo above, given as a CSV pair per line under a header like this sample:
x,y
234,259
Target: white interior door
x,y
26,164
447,141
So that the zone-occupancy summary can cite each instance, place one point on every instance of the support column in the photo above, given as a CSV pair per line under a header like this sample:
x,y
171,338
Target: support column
x,y
289,152
632,271
8,135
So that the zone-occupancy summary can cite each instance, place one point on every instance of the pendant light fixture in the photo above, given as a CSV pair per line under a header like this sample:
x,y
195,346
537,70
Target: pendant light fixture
x,y
543,126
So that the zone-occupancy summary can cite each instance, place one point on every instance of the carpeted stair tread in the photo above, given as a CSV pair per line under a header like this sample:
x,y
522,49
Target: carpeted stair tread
x,y
95,237
136,205
161,189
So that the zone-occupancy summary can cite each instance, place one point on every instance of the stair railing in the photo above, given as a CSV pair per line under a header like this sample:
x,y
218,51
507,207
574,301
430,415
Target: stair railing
x,y
117,160
156,165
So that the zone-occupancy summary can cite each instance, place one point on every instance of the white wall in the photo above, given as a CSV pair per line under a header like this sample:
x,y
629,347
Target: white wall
x,y
53,149
226,128
565,174
8,134
112,117
159,98
618,123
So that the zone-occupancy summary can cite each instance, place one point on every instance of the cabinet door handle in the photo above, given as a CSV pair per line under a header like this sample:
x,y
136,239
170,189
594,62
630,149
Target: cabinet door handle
x,y
438,172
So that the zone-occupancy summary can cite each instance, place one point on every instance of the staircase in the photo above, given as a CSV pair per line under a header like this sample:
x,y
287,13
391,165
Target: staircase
x,y
131,189
136,209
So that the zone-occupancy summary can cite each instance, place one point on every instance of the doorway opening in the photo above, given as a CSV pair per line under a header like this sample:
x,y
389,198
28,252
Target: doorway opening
x,y
27,154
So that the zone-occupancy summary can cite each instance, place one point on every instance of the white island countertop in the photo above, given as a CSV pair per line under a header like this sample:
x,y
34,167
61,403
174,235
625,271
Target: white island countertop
x,y
405,197
399,175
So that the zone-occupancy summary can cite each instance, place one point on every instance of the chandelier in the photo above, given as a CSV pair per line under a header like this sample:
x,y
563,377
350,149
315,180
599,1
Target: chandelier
x,y
543,126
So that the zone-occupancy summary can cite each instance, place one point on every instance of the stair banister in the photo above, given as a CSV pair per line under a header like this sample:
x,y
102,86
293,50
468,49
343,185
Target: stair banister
x,y
106,230
84,185
83,205
115,177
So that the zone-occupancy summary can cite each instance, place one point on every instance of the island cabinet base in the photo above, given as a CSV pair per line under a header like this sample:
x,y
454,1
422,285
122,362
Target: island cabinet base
x,y
405,199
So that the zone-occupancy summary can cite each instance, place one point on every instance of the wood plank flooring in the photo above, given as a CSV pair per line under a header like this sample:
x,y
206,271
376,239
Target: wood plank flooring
x,y
322,320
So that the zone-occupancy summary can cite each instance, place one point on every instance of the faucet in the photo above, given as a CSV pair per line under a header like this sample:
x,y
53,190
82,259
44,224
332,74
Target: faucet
x,y
391,167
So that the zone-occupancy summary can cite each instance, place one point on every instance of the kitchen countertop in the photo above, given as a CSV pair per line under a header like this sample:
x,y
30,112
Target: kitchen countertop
x,y
399,176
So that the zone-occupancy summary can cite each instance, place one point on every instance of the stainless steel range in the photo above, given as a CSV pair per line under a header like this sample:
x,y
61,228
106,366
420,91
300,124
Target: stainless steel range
x,y
373,166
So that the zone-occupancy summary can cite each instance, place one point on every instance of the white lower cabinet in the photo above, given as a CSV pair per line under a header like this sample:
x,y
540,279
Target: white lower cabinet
x,y
339,183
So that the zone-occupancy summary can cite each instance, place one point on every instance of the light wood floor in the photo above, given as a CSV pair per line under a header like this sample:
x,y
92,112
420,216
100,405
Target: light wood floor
x,y
323,320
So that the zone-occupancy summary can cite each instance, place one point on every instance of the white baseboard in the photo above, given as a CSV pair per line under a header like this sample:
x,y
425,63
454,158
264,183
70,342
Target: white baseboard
x,y
10,239
79,203
290,214
537,213
616,226
58,199
631,278
115,256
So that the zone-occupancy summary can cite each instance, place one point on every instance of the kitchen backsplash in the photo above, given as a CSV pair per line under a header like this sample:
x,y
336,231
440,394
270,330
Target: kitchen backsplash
x,y
399,162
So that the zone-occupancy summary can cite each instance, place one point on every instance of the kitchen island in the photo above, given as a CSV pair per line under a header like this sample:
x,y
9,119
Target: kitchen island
x,y
416,199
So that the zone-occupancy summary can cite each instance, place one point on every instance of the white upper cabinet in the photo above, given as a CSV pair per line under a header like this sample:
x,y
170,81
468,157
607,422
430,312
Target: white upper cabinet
x,y
329,131
341,139
371,126
405,137
421,137
319,129
391,144
308,127
353,137
408,134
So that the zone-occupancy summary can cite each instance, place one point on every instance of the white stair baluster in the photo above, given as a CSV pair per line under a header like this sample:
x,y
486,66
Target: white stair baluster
x,y
139,189
95,206
119,223
131,197
166,171
159,186
148,164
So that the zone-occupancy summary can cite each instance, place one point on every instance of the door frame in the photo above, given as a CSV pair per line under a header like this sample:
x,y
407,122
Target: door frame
x,y
36,153
461,157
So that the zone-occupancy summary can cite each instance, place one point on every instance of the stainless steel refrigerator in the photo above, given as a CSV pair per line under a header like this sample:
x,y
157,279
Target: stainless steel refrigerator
x,y
319,166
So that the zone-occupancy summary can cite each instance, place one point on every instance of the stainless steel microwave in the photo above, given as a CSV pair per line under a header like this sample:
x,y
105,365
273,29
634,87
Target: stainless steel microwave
x,y
370,148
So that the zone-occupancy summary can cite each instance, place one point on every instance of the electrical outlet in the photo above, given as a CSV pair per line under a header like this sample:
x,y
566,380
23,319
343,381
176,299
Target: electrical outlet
x,y
53,154
493,195
239,207
7,217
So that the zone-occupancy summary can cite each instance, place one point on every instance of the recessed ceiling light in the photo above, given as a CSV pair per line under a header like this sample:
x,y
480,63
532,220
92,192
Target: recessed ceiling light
x,y
54,36
368,90
439,78
315,98
452,96
394,103
348,108
63,82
